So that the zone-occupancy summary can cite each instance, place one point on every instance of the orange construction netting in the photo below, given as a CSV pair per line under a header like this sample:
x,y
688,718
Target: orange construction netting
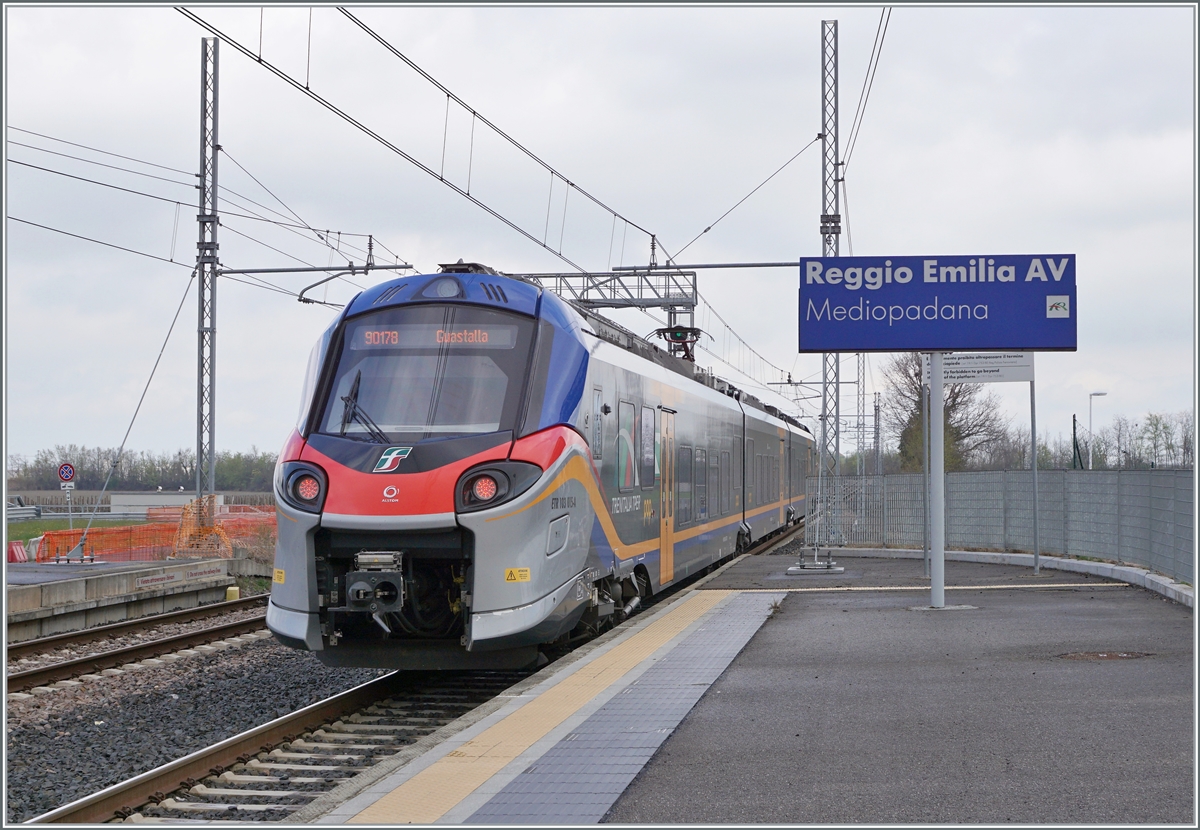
x,y
113,544
201,529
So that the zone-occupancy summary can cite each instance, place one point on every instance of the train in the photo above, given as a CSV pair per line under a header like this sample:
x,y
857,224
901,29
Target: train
x,y
482,469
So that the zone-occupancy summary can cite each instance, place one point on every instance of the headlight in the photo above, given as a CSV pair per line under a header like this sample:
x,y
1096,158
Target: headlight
x,y
485,488
495,483
302,485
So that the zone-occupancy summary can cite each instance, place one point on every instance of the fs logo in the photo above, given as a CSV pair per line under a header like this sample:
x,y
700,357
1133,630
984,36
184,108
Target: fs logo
x,y
1058,305
391,459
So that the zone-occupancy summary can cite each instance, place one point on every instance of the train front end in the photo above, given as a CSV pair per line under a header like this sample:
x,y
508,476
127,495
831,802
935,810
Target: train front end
x,y
421,520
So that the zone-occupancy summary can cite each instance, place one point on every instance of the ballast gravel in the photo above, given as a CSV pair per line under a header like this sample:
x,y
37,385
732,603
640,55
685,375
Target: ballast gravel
x,y
131,638
79,740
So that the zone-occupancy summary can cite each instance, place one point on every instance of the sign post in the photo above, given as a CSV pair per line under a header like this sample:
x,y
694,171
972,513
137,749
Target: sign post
x,y
937,488
940,304
66,476
1001,367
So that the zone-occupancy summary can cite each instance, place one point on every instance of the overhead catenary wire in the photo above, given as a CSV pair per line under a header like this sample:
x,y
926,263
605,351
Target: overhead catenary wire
x,y
744,198
475,114
97,150
264,285
885,17
250,215
544,242
177,202
287,207
349,119
121,451
97,241
102,164
174,232
94,181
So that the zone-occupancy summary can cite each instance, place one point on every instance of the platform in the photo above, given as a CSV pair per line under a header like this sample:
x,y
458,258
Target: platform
x,y
1060,697
42,599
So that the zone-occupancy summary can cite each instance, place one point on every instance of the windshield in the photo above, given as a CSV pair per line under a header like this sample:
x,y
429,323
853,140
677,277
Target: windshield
x,y
428,371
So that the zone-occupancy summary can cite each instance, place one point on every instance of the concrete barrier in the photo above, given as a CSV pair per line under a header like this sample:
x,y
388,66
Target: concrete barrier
x,y
73,604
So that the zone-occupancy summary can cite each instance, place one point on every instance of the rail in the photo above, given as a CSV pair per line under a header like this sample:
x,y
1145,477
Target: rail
x,y
102,806
131,654
18,650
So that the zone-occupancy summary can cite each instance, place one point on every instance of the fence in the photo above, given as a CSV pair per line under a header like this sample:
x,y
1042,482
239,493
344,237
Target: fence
x,y
112,544
1138,517
182,531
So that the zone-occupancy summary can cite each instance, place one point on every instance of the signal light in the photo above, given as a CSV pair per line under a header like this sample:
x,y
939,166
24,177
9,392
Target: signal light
x,y
484,488
307,488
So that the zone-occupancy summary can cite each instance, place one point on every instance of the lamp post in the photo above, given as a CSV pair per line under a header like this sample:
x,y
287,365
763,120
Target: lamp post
x,y
1090,441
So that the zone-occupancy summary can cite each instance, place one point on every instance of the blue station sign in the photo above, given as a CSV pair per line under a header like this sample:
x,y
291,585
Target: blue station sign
x,y
943,303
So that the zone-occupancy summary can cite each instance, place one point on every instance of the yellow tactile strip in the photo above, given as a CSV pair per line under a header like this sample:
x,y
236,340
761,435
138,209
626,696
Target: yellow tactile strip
x,y
431,793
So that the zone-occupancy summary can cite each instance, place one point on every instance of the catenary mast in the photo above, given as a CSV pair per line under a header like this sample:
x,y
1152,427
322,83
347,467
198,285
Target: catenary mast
x,y
206,271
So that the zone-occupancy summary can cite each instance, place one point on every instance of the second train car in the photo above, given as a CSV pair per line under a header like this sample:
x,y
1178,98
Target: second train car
x,y
481,468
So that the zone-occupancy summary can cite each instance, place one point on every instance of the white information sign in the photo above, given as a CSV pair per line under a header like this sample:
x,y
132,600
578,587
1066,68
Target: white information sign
x,y
66,485
983,367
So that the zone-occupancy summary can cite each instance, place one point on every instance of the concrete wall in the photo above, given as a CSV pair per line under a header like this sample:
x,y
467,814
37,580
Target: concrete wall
x,y
72,604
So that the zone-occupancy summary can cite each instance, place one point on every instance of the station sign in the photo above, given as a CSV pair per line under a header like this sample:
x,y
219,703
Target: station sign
x,y
938,303
984,367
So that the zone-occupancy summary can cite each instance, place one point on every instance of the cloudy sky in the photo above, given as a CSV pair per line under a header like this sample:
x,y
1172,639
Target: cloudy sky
x,y
987,130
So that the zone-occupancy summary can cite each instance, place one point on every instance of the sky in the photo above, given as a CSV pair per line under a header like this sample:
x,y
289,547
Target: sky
x,y
1016,130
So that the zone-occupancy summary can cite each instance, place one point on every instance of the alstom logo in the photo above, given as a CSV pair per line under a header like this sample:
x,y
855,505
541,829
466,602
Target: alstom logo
x,y
391,459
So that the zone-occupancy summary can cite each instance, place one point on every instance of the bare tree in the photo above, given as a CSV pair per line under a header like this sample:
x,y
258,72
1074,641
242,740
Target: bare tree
x,y
973,420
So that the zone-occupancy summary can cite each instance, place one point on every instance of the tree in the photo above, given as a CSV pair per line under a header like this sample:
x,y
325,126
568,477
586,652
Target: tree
x,y
973,423
252,471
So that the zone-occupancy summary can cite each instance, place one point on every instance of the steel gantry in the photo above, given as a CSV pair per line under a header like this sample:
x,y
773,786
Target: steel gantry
x,y
673,291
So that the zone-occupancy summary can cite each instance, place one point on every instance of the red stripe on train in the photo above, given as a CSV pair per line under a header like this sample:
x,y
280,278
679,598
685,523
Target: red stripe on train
x,y
371,494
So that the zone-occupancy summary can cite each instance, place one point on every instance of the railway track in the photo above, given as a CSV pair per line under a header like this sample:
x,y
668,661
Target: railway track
x,y
269,772
95,663
89,635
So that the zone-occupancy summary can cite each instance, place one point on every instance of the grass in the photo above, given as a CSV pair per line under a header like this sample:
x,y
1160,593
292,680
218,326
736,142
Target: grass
x,y
254,585
24,531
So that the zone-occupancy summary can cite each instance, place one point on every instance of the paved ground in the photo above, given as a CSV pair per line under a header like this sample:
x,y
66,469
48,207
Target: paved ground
x,y
849,707
35,573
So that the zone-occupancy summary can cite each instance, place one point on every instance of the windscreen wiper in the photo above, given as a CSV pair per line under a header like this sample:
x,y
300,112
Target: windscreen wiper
x,y
353,412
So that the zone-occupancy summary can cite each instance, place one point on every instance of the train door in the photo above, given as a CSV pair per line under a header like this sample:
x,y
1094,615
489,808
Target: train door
x,y
666,529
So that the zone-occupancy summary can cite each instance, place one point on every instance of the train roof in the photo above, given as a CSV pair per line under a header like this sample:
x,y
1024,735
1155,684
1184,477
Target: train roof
x,y
620,336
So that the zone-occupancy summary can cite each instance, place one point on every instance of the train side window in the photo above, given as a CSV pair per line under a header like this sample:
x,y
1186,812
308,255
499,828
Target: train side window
x,y
701,485
597,423
760,492
737,475
750,480
626,447
725,476
648,439
714,478
683,487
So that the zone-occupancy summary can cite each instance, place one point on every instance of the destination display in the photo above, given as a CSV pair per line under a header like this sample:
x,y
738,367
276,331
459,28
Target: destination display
x,y
427,336
938,303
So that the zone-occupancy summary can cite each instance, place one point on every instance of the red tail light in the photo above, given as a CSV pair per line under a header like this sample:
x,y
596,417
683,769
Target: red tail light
x,y
484,488
307,488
